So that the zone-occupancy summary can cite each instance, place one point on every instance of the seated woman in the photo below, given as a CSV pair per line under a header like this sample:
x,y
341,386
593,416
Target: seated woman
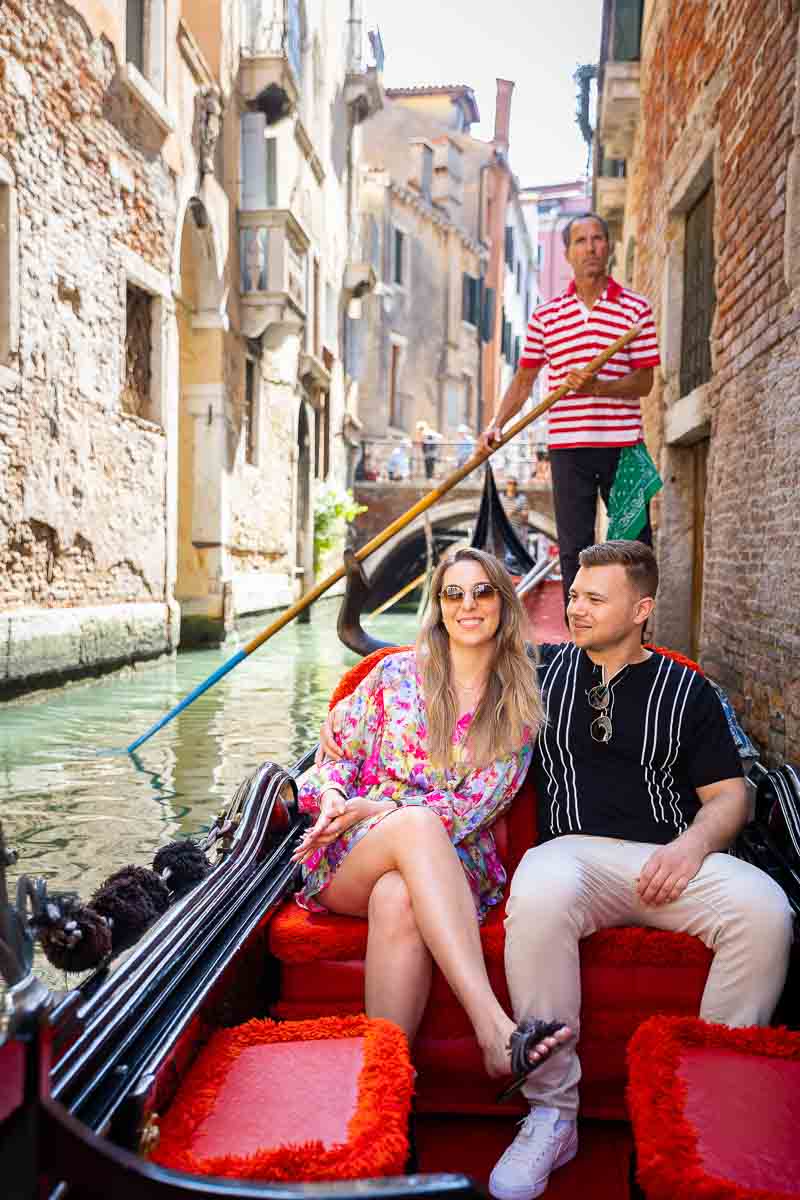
x,y
438,739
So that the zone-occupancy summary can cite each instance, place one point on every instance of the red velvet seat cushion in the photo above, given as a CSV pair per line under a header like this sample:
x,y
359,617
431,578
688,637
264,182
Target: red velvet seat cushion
x,y
626,976
309,1100
715,1111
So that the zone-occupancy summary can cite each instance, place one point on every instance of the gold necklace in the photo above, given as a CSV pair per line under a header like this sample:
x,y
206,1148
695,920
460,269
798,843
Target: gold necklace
x,y
471,687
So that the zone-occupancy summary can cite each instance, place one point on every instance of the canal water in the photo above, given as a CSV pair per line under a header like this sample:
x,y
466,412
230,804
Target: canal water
x,y
75,810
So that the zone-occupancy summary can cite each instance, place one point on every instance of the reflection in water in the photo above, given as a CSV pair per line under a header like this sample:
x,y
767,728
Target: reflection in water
x,y
76,810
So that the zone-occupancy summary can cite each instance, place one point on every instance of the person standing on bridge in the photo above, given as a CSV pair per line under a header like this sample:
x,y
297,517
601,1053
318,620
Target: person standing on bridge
x,y
515,504
588,427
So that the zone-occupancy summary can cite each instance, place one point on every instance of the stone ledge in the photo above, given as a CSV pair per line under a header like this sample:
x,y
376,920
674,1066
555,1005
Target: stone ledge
x,y
688,420
620,103
39,646
147,97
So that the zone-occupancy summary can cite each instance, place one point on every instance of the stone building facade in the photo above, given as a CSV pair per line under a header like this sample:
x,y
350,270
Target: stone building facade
x,y
699,101
418,342
177,251
441,339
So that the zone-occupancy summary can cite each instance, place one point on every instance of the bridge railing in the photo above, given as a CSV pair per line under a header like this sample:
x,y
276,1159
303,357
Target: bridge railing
x,y
384,460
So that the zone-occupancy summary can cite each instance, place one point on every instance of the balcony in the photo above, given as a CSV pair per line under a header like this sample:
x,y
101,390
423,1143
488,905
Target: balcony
x,y
271,64
363,93
611,193
619,108
272,260
359,278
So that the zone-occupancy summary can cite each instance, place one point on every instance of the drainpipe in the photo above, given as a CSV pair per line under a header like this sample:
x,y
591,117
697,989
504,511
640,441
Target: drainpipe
x,y
479,405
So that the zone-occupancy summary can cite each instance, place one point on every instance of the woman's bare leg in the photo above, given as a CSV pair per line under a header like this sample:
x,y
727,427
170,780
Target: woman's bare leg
x,y
413,842
398,966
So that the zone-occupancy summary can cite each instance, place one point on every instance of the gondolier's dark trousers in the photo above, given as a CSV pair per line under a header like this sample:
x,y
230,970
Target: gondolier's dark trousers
x,y
578,475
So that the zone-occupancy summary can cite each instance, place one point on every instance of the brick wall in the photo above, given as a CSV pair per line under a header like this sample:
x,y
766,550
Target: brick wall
x,y
82,485
718,82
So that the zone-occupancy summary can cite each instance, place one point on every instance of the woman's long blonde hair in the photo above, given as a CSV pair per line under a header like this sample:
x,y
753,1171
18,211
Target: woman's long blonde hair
x,y
511,702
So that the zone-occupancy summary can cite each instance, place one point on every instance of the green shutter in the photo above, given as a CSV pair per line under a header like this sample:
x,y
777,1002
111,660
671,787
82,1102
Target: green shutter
x,y
487,316
627,30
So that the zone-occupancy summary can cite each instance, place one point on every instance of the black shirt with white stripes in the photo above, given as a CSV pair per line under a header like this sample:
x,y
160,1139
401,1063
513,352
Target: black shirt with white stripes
x,y
669,736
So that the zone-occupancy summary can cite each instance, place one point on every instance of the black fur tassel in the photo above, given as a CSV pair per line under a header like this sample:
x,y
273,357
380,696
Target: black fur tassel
x,y
73,936
181,864
130,899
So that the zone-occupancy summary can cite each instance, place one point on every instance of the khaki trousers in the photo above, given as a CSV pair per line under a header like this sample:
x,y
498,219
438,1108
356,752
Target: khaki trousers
x,y
571,886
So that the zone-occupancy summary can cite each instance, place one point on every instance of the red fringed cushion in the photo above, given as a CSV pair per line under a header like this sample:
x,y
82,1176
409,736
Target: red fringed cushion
x,y
298,936
352,678
715,1111
638,946
294,1101
678,657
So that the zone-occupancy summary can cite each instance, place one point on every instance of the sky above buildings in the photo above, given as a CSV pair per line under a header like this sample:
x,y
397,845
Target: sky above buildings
x,y
537,43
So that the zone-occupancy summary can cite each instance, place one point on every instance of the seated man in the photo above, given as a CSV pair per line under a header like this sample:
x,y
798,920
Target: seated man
x,y
640,790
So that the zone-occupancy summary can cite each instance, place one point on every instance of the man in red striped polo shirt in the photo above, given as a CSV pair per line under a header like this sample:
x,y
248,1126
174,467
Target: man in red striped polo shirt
x,y
590,425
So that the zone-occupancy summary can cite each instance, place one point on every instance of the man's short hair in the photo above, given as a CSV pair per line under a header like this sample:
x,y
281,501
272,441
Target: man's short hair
x,y
566,232
637,559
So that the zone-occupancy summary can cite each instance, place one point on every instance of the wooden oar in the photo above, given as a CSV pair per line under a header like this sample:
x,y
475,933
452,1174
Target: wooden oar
x,y
376,612
380,539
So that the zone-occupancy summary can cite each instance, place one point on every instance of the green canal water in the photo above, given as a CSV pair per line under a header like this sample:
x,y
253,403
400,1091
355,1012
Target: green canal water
x,y
75,810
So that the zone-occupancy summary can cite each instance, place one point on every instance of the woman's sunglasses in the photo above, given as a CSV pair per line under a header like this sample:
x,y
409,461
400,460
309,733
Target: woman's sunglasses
x,y
479,592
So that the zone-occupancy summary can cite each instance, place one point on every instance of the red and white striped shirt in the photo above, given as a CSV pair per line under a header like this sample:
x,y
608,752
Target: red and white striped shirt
x,y
566,336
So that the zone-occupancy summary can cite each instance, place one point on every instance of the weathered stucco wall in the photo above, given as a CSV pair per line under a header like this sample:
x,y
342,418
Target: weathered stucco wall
x,y
82,486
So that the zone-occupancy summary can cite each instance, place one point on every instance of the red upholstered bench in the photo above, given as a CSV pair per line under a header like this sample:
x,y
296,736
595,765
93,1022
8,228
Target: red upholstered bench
x,y
627,975
308,1100
715,1111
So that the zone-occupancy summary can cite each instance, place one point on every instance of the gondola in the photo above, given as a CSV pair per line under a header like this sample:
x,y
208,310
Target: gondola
x,y
91,1079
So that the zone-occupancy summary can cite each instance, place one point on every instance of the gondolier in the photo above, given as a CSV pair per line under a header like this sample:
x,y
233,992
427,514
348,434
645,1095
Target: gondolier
x,y
590,427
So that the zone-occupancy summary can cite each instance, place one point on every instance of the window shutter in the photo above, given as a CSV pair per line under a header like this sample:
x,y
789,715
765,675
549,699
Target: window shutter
x,y
510,245
427,172
294,38
374,241
134,33
354,347
254,174
487,323
477,289
271,164
398,253
466,296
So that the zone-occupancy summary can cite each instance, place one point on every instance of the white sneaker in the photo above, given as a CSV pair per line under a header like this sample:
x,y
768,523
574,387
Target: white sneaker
x,y
539,1148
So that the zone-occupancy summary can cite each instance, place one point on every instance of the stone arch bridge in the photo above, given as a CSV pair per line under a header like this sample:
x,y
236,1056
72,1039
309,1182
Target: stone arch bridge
x,y
386,501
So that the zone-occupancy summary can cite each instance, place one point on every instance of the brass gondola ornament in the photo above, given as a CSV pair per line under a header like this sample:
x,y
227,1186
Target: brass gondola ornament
x,y
150,1134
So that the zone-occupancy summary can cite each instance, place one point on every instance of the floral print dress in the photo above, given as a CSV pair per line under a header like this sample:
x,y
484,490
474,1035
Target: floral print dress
x,y
383,734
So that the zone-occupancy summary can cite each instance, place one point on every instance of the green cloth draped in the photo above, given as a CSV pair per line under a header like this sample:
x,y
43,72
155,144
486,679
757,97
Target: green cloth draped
x,y
635,484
